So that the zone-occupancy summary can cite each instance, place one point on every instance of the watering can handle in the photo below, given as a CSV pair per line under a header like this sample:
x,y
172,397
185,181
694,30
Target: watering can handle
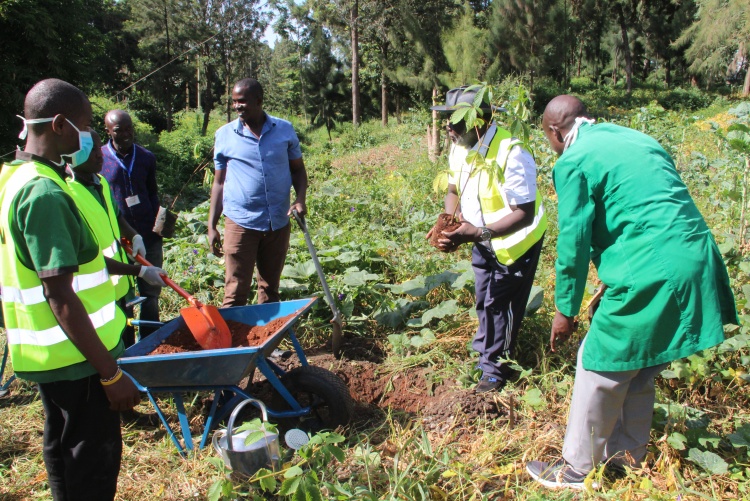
x,y
233,416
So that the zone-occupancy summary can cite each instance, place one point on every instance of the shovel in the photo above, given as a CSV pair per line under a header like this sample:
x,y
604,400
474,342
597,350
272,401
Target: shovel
x,y
205,322
337,335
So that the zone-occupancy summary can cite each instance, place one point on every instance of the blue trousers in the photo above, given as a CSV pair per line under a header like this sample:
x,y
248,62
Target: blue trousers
x,y
502,293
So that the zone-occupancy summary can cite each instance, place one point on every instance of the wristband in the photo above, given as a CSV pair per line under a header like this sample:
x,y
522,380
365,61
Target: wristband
x,y
112,380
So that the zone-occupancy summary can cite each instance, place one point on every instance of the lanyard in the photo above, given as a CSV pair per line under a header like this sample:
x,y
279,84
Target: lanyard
x,y
128,170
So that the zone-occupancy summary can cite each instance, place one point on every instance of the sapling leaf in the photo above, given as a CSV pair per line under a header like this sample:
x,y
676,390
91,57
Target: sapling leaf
x,y
677,441
290,485
533,398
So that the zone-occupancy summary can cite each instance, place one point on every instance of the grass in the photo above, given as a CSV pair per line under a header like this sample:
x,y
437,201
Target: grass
x,y
370,206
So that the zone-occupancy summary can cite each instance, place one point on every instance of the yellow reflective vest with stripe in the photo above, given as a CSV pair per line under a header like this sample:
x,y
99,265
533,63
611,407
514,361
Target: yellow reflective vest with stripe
x,y
37,342
496,144
104,226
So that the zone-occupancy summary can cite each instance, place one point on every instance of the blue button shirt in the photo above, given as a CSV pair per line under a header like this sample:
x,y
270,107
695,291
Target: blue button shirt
x,y
258,179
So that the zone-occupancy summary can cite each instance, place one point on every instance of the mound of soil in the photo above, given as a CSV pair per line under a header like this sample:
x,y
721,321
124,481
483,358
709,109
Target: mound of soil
x,y
182,339
445,222
416,392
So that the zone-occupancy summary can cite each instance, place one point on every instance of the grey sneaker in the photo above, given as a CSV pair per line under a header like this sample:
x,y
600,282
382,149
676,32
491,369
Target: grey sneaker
x,y
557,475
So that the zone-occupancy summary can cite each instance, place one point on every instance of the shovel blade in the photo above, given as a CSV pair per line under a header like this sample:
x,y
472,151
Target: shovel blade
x,y
208,327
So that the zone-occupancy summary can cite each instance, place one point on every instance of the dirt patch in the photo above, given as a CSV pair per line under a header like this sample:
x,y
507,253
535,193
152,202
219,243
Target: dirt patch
x,y
445,222
182,339
441,404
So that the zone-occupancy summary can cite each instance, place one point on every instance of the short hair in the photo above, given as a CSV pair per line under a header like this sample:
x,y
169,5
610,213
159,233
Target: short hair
x,y
252,85
51,97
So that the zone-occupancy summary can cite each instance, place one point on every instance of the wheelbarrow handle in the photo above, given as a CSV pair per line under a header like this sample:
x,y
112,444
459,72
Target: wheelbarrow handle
x,y
171,283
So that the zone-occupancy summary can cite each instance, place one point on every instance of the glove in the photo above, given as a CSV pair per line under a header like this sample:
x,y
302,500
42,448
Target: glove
x,y
152,275
138,247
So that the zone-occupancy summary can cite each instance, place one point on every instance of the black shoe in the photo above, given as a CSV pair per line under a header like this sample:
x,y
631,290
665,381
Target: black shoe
x,y
489,383
135,418
558,475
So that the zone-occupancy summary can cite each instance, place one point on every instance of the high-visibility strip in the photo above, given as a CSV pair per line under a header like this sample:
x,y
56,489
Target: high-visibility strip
x,y
55,334
111,251
35,295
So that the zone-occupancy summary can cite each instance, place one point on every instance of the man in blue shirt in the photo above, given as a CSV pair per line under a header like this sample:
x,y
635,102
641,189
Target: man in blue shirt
x,y
258,159
130,170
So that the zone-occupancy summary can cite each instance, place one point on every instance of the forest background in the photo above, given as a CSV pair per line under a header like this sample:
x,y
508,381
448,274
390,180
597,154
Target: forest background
x,y
357,78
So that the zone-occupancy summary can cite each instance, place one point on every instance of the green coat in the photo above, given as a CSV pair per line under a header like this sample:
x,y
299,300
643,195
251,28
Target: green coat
x,y
623,206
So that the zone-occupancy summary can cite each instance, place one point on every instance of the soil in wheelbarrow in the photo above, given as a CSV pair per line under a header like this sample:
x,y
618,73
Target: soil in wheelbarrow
x,y
445,222
182,339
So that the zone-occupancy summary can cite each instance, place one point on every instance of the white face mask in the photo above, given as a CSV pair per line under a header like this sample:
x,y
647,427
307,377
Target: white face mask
x,y
85,141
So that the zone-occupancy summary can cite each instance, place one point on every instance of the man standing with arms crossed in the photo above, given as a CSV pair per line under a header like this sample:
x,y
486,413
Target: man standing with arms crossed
x,y
62,322
258,160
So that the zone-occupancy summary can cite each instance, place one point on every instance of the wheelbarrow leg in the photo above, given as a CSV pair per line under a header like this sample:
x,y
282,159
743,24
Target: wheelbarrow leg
x,y
163,419
297,347
187,437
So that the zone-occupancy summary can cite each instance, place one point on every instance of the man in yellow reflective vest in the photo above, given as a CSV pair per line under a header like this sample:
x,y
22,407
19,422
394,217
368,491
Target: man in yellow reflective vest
x,y
502,214
62,323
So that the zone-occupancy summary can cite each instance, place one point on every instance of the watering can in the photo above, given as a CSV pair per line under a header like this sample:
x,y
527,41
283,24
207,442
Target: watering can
x,y
247,458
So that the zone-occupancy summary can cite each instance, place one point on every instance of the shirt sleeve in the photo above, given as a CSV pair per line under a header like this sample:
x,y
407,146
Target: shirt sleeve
x,y
220,159
294,150
520,177
575,219
50,229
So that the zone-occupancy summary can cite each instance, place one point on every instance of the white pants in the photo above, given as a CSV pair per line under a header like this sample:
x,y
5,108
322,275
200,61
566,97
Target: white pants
x,y
610,416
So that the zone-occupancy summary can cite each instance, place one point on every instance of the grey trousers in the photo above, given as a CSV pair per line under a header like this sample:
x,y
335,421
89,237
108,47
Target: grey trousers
x,y
610,416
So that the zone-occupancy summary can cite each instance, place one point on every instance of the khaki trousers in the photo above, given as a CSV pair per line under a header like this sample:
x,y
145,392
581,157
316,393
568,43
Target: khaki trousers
x,y
610,416
245,250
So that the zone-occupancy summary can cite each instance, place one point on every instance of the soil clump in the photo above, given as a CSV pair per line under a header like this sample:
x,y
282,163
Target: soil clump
x,y
445,222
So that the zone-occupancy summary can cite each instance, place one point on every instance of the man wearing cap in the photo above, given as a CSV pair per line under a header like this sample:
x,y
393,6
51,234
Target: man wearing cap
x,y
503,216
667,295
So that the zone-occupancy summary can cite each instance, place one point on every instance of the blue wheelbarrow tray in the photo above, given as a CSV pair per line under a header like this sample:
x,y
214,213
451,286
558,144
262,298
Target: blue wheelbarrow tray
x,y
213,370
208,367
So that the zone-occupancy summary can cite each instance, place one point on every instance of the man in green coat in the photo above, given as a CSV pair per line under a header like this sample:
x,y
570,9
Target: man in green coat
x,y
623,206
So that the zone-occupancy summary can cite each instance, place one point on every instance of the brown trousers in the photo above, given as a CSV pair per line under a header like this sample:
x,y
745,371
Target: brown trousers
x,y
245,250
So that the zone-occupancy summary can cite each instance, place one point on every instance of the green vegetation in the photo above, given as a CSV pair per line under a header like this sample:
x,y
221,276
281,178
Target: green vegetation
x,y
371,203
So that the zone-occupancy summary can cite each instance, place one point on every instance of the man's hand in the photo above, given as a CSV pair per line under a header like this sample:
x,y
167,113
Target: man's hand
x,y
138,247
153,275
562,328
300,207
214,241
123,395
466,233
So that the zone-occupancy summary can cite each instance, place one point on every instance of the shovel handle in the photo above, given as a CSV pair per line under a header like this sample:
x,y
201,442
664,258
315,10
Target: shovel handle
x,y
171,283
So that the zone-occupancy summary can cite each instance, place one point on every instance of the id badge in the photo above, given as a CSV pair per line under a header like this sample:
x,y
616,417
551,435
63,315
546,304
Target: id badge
x,y
131,201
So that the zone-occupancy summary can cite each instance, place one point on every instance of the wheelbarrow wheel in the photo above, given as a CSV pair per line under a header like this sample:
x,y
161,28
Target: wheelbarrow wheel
x,y
324,392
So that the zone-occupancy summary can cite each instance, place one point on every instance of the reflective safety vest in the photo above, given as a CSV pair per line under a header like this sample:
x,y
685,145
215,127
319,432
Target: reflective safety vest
x,y
497,143
104,226
37,342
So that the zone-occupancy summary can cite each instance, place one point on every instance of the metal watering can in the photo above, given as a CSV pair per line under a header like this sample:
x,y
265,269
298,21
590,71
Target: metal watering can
x,y
247,458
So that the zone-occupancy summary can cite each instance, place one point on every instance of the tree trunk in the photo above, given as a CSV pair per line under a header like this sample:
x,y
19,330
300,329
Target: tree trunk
x,y
198,81
397,99
626,50
209,100
383,99
355,63
668,72
433,133
746,86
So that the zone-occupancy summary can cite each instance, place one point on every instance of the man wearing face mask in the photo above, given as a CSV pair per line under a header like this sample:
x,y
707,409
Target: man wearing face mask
x,y
130,170
94,199
503,216
63,326
623,207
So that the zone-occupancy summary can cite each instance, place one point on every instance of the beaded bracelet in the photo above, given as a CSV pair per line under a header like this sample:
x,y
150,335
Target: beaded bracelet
x,y
112,380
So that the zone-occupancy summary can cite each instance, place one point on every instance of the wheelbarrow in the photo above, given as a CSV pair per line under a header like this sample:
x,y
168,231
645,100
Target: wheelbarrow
x,y
314,396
